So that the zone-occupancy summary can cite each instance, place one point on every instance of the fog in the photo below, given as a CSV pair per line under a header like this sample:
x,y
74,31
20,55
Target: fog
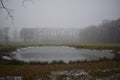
x,y
61,20
59,13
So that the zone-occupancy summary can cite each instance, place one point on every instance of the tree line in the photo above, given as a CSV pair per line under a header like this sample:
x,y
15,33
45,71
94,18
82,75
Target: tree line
x,y
107,31
40,35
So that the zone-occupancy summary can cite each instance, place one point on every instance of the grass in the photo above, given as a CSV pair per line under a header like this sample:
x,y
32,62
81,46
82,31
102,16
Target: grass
x,y
29,71
104,73
11,62
32,69
12,46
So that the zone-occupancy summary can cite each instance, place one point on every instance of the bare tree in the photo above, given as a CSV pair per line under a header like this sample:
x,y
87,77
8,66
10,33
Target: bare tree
x,y
8,10
3,6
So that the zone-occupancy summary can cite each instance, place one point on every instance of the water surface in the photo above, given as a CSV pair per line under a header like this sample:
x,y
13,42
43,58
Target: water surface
x,y
59,53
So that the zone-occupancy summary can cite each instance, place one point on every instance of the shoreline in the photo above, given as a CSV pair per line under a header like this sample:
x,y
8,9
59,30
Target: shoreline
x,y
11,50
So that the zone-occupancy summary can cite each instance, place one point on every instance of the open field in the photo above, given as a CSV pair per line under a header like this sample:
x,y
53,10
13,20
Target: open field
x,y
31,70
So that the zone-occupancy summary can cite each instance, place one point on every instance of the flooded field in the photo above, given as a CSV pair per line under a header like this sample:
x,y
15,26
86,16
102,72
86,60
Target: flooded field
x,y
59,53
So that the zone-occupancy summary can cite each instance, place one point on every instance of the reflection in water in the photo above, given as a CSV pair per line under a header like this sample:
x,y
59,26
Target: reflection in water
x,y
58,53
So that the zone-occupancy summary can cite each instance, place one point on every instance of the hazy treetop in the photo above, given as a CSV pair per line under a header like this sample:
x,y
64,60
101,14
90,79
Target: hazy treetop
x,y
60,13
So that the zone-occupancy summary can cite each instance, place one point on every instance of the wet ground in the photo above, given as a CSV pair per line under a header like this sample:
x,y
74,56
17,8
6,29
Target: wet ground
x,y
69,75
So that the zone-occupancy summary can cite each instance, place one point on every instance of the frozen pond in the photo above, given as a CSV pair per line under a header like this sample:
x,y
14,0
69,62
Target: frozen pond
x,y
59,53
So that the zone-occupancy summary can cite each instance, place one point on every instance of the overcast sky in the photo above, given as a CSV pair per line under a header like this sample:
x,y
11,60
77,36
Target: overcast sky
x,y
60,13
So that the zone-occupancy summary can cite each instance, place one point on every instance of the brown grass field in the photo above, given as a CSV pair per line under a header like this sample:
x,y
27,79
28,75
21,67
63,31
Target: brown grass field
x,y
29,71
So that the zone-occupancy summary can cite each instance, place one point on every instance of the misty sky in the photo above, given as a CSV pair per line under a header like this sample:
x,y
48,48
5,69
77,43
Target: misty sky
x,y
60,13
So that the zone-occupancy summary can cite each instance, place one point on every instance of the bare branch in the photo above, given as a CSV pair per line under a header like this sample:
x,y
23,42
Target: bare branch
x,y
9,11
26,1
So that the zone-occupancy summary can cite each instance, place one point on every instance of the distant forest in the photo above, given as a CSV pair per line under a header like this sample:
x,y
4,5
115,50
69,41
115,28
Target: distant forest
x,y
107,31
